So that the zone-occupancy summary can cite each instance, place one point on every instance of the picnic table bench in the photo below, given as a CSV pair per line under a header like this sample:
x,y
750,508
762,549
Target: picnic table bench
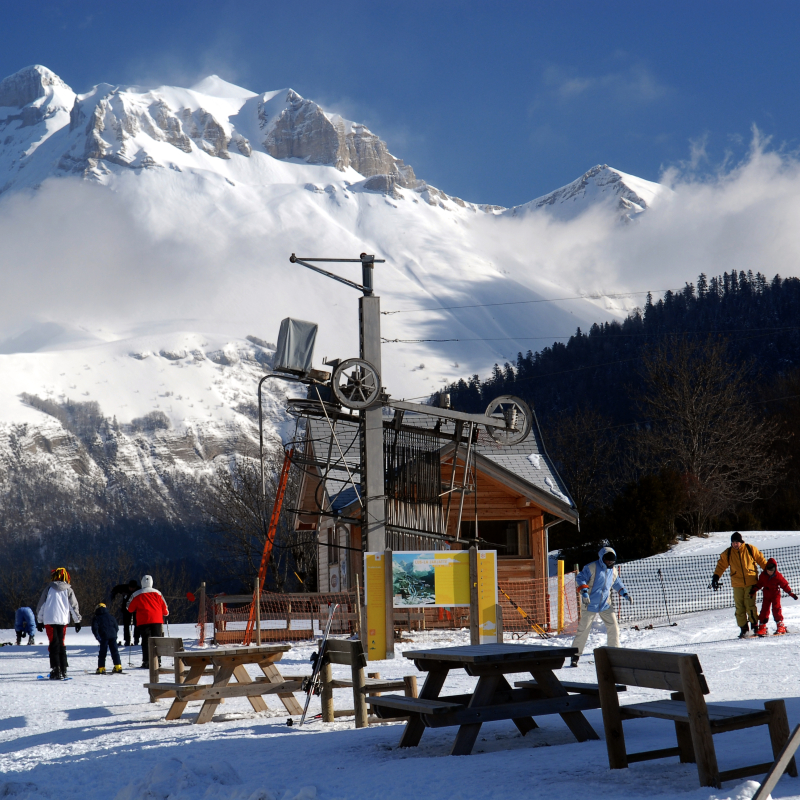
x,y
226,664
696,722
493,697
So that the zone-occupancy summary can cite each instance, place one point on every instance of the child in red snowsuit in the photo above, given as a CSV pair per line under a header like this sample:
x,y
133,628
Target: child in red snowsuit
x,y
771,582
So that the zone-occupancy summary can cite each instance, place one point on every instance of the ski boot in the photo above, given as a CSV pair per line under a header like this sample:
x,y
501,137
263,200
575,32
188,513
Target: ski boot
x,y
573,662
100,671
744,632
117,669
31,640
762,629
64,675
19,638
55,675
781,629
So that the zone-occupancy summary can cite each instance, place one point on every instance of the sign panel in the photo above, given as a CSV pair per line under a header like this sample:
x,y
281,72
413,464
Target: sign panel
x,y
487,596
375,593
430,578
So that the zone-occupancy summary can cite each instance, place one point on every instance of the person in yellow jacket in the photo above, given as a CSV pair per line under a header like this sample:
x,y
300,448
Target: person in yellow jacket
x,y
742,559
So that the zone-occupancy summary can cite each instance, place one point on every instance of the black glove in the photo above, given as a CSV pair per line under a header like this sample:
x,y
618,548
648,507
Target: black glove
x,y
77,627
794,597
40,627
715,581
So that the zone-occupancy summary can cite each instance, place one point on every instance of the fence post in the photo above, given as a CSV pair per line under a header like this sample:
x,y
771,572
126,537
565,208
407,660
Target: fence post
x,y
474,622
577,592
202,616
257,598
560,625
498,612
358,627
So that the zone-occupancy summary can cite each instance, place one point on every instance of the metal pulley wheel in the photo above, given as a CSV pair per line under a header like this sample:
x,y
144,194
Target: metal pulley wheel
x,y
356,384
518,418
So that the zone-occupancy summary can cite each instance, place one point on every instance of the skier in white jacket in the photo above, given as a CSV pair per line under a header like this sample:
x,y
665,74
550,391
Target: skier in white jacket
x,y
56,605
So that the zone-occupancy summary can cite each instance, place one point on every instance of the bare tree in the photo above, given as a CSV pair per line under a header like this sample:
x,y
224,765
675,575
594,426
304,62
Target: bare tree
x,y
701,424
584,445
239,521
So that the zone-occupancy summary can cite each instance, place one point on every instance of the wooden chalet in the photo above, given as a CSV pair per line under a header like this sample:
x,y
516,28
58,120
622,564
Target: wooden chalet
x,y
518,495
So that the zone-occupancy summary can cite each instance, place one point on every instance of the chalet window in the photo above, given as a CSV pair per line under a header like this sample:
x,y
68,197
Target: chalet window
x,y
333,550
508,537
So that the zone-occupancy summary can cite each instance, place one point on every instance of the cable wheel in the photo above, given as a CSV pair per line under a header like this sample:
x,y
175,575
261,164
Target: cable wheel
x,y
356,384
517,415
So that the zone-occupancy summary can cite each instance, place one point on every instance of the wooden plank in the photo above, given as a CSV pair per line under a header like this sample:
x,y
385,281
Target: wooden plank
x,y
652,661
415,727
779,731
609,702
178,705
683,733
218,691
287,698
243,677
647,678
233,651
326,696
672,710
359,685
208,708
702,739
491,653
744,772
413,705
571,704
573,686
779,766
650,755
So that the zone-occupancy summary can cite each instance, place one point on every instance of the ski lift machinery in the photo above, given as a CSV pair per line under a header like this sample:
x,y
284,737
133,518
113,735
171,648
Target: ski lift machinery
x,y
355,384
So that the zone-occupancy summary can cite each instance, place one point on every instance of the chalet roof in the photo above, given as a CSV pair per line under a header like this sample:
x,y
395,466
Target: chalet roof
x,y
525,466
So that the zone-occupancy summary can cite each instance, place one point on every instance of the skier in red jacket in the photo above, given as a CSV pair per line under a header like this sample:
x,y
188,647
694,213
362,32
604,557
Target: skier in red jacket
x,y
150,609
771,582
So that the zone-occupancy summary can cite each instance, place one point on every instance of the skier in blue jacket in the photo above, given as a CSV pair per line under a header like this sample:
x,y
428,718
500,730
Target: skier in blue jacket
x,y
25,624
595,582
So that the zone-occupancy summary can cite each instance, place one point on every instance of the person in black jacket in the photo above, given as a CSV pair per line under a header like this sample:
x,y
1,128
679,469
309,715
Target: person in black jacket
x,y
105,629
127,590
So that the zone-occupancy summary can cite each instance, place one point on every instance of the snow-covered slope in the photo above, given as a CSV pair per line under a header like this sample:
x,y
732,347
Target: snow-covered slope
x,y
126,211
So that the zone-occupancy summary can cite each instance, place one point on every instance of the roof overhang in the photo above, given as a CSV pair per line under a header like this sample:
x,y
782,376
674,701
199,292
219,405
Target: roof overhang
x,y
529,491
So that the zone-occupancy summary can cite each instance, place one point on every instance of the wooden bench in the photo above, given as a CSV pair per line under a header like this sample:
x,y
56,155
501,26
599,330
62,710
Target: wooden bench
x,y
351,653
574,688
696,722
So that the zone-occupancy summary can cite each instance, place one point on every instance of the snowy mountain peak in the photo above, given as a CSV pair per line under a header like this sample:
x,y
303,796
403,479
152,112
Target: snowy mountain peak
x,y
28,85
601,184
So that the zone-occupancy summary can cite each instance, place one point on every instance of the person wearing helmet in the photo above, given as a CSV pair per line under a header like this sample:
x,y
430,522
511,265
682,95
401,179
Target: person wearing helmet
x,y
595,582
56,605
150,609
105,628
743,561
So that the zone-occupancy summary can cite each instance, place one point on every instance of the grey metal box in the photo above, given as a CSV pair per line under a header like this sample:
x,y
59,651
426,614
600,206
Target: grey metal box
x,y
295,350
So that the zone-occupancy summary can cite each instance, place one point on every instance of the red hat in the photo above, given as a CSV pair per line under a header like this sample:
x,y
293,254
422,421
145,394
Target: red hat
x,y
771,562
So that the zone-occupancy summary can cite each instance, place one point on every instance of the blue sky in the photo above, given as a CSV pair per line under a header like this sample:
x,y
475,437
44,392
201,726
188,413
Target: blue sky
x,y
496,102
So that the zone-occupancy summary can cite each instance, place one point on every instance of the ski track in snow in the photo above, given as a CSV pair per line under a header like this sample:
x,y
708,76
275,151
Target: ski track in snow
x,y
97,737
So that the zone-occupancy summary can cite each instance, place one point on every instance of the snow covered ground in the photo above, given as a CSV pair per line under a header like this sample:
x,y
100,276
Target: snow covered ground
x,y
97,738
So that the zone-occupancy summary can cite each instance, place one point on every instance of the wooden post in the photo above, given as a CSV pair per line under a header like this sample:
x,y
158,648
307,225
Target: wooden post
x,y
359,692
781,762
257,601
702,739
411,686
359,628
779,732
474,622
609,702
202,615
560,622
498,612
214,621
578,603
389,594
326,696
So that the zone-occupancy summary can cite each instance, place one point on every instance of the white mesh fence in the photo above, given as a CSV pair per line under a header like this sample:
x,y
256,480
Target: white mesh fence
x,y
666,586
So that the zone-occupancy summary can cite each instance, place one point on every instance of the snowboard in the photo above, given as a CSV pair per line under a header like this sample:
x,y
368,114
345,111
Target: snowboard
x,y
47,678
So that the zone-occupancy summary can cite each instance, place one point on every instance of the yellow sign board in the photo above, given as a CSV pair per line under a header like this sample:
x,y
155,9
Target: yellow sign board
x,y
375,592
487,595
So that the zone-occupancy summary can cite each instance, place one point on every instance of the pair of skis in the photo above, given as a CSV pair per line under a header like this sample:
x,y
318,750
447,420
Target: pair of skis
x,y
311,685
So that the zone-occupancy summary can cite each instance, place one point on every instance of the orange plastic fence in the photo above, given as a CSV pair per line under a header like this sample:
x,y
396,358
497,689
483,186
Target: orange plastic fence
x,y
287,617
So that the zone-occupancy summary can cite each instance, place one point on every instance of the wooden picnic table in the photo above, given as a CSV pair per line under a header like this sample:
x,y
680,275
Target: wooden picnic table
x,y
230,663
493,697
